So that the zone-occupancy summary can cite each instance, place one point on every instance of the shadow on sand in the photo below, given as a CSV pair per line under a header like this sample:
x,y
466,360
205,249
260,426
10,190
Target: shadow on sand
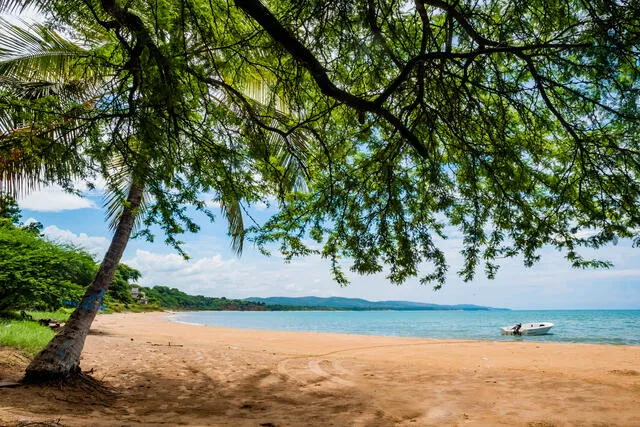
x,y
196,399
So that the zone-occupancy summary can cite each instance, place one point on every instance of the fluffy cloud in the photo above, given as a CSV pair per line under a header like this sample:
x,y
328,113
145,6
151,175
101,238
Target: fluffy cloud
x,y
54,199
95,245
236,278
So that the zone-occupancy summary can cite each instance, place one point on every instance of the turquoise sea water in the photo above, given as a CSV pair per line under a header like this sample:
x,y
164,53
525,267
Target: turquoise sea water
x,y
577,326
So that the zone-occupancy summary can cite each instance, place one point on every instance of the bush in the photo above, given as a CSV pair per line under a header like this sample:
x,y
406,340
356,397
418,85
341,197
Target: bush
x,y
38,274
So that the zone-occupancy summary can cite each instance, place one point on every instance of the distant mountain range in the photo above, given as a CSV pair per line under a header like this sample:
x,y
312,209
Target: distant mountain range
x,y
339,303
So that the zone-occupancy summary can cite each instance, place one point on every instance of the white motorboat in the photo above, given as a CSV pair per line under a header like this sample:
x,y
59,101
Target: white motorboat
x,y
538,328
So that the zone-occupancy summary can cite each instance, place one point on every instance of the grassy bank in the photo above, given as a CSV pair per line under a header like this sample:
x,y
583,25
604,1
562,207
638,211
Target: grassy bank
x,y
26,335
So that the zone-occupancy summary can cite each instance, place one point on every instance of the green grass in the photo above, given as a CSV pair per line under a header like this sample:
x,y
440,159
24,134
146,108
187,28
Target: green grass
x,y
25,335
62,315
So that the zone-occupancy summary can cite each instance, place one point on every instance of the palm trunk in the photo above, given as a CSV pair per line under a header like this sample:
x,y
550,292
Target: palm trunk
x,y
61,357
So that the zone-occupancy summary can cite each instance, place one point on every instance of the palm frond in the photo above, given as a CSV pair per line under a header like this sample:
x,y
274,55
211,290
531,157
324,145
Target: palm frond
x,y
39,145
118,183
33,52
232,211
19,6
74,90
264,115
261,92
29,158
6,121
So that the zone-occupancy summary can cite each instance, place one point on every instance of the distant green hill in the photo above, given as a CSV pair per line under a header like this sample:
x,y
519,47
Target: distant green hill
x,y
339,303
175,299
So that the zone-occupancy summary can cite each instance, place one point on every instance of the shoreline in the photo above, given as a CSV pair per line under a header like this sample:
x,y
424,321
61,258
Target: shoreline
x,y
543,339
168,372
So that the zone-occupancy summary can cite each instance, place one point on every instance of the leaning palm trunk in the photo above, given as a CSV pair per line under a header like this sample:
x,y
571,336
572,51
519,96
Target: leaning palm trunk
x,y
61,357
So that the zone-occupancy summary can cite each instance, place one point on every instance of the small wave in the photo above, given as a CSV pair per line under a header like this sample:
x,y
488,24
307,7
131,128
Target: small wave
x,y
174,318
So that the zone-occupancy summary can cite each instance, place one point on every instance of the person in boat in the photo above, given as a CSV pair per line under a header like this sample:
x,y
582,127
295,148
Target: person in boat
x,y
516,329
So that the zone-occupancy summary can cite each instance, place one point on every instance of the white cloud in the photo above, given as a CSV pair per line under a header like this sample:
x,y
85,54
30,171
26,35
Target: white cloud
x,y
173,270
96,245
54,199
236,278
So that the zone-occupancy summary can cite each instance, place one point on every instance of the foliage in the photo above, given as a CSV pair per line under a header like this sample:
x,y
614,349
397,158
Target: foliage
x,y
385,126
117,307
172,298
39,274
9,208
511,123
120,288
24,334
60,315
140,109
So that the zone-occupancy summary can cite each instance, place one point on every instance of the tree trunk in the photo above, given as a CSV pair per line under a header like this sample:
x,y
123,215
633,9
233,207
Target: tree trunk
x,y
60,359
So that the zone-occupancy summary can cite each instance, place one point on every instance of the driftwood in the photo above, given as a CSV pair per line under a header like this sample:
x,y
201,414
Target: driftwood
x,y
164,345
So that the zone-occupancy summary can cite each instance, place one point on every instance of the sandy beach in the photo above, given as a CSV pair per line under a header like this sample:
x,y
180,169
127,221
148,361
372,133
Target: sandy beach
x,y
160,372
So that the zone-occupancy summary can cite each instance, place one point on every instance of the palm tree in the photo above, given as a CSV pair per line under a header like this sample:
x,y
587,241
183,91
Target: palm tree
x,y
155,131
39,66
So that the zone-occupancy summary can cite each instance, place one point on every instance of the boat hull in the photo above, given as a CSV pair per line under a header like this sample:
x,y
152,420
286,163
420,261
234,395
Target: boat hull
x,y
528,329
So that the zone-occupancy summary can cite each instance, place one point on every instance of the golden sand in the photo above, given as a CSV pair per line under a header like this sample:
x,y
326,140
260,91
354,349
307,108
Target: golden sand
x,y
168,373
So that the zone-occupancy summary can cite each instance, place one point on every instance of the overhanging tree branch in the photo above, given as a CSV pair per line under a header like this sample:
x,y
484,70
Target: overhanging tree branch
x,y
463,22
305,57
470,55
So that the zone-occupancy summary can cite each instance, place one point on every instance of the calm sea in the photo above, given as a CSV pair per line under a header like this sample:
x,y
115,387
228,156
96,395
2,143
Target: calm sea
x,y
577,326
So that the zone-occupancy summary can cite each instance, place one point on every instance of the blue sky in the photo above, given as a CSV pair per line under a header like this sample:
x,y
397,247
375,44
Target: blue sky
x,y
215,271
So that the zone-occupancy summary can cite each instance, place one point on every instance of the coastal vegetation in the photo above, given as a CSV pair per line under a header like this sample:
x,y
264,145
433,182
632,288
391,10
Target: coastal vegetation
x,y
379,128
338,303
39,274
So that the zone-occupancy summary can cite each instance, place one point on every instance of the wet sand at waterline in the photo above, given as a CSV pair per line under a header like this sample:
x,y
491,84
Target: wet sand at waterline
x,y
159,372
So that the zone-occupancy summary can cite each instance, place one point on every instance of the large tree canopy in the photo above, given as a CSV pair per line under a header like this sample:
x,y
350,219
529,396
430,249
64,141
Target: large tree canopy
x,y
39,274
146,94
514,121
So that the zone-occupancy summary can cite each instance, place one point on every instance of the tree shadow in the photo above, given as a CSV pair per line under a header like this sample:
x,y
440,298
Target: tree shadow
x,y
151,398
